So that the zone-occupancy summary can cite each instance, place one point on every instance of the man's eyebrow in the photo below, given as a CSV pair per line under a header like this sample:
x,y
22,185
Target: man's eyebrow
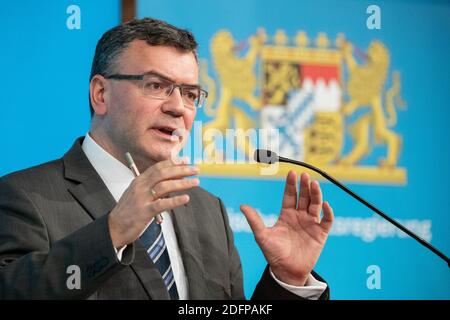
x,y
164,77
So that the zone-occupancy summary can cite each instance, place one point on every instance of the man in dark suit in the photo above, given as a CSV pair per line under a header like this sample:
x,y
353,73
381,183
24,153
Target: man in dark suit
x,y
85,215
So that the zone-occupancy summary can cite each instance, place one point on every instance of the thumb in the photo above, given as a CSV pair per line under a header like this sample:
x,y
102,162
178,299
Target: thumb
x,y
253,219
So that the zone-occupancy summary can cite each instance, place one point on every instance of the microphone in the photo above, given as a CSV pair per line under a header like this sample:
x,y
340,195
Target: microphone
x,y
270,157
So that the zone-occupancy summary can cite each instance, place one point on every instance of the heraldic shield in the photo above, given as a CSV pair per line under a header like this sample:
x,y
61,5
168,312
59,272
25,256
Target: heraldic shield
x,y
324,103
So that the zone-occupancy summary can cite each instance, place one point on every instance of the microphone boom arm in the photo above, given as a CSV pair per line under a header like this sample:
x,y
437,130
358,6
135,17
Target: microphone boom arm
x,y
260,157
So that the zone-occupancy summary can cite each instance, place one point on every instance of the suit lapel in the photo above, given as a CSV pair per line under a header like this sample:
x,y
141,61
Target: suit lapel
x,y
89,189
93,195
187,235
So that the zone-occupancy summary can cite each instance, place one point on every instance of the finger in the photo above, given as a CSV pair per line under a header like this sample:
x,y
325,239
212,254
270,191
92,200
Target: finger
x,y
315,200
169,163
303,201
328,217
254,220
290,191
164,188
168,172
167,204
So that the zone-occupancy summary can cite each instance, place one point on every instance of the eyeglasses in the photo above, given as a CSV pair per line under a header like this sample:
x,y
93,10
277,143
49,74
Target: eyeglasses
x,y
157,87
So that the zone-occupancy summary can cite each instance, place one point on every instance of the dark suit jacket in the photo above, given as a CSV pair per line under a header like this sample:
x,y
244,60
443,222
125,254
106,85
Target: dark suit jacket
x,y
56,214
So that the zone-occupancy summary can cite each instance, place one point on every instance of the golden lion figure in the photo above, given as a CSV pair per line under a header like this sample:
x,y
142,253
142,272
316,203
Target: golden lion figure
x,y
238,81
365,87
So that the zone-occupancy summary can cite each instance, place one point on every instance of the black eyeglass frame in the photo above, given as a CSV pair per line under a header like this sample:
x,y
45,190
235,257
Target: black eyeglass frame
x,y
173,85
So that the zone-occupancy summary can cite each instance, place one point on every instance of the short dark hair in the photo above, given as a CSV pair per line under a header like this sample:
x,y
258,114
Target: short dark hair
x,y
154,32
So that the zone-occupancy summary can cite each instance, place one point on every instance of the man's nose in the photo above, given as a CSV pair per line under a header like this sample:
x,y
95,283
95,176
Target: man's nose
x,y
174,103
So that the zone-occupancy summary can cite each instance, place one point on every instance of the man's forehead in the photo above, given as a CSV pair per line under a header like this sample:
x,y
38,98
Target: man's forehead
x,y
166,60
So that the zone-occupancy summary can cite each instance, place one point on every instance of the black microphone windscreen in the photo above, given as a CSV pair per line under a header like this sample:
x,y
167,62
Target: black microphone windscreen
x,y
265,156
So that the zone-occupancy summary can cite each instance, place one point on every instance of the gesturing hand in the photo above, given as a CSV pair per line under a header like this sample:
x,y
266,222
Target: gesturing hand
x,y
293,245
137,206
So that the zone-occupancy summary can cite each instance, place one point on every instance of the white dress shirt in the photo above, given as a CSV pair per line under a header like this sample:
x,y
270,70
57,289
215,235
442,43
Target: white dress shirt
x,y
117,177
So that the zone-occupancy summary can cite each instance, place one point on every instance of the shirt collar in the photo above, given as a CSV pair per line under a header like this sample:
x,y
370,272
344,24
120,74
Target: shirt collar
x,y
116,176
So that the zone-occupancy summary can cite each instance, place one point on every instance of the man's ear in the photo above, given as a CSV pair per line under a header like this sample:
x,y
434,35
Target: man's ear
x,y
97,91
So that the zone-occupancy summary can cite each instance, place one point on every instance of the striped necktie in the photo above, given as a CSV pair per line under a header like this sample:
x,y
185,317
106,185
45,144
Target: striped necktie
x,y
153,240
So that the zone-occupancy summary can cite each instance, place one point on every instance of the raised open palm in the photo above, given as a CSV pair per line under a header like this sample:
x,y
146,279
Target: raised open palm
x,y
293,245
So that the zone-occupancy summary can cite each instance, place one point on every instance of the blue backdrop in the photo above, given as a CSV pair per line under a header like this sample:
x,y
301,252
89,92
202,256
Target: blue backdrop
x,y
44,107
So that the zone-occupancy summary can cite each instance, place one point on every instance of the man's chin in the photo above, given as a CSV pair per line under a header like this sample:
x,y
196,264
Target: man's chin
x,y
165,154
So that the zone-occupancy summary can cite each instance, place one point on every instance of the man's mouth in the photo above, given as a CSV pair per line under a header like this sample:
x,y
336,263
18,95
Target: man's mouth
x,y
168,132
